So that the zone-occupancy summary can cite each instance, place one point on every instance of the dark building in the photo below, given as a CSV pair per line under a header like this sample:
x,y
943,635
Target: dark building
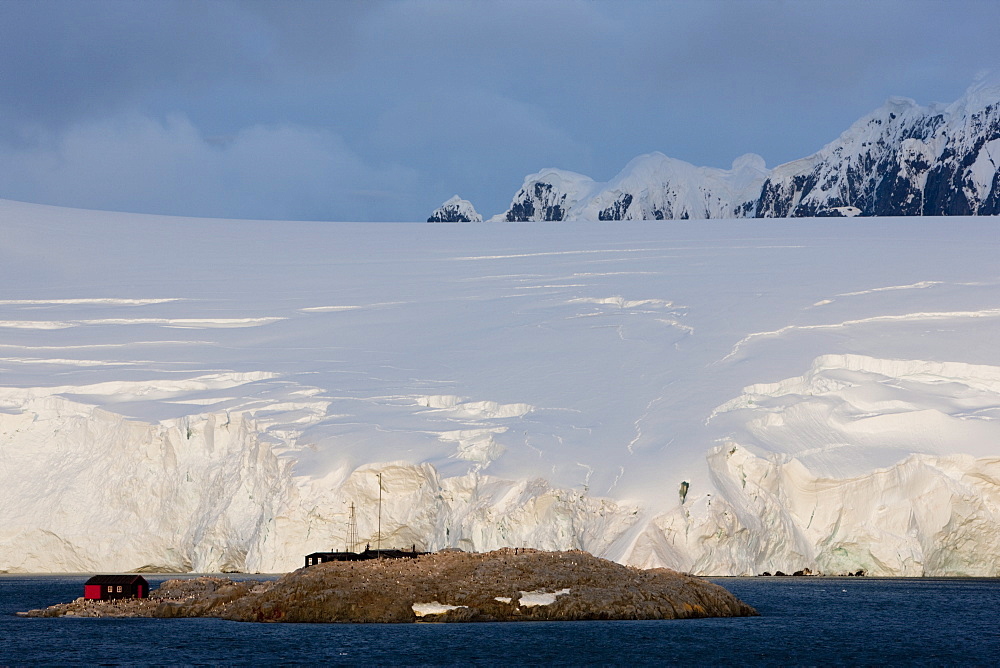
x,y
107,587
323,557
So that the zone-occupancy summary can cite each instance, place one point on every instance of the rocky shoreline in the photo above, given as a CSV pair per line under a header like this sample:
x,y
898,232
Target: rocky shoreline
x,y
504,585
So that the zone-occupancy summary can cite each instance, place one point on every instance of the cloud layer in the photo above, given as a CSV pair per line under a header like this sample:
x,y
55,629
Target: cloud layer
x,y
381,110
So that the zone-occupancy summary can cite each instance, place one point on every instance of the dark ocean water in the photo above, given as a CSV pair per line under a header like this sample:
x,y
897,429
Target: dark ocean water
x,y
805,621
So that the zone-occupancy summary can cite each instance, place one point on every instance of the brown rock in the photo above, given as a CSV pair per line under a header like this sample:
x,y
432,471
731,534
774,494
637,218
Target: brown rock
x,y
387,590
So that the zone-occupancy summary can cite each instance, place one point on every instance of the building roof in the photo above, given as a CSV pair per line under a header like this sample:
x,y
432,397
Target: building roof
x,y
332,554
116,580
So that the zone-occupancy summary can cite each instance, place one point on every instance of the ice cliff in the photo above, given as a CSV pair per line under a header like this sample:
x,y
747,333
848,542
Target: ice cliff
x,y
721,399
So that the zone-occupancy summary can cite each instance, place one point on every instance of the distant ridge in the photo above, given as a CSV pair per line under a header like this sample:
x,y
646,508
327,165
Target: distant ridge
x,y
902,159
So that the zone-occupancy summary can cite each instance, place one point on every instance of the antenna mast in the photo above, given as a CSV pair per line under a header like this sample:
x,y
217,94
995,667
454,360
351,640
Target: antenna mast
x,y
352,531
378,533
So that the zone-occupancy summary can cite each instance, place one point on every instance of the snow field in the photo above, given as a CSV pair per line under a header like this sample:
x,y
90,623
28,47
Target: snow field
x,y
721,397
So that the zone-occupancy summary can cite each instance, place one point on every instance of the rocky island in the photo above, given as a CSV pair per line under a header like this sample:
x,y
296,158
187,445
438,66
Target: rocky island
x,y
503,585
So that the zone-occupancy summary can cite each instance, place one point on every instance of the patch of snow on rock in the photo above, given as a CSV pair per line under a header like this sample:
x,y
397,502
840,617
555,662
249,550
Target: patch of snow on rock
x,y
530,599
432,608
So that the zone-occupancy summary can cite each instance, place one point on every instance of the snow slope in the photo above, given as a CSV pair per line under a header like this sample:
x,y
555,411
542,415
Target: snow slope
x,y
718,397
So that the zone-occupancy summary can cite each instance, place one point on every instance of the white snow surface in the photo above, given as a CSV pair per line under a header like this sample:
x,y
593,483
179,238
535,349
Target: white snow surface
x,y
718,397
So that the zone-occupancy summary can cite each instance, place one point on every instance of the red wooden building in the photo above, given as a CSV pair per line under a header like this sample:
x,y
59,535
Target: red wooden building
x,y
107,587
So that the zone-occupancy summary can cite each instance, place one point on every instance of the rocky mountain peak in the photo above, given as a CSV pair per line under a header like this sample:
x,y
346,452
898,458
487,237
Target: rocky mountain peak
x,y
455,210
902,159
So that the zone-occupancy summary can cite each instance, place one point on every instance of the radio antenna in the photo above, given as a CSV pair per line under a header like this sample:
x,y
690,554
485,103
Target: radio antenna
x,y
352,531
378,533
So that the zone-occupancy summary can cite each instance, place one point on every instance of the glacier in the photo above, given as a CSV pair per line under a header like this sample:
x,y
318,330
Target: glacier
x,y
720,397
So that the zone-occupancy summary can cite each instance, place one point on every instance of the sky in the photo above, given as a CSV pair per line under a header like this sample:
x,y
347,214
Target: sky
x,y
381,110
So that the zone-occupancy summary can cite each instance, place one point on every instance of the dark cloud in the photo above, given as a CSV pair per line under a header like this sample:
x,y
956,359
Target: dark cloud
x,y
381,110
61,61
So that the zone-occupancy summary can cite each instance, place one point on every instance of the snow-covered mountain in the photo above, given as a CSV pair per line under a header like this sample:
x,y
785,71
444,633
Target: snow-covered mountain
x,y
717,397
901,160
548,195
651,187
455,210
